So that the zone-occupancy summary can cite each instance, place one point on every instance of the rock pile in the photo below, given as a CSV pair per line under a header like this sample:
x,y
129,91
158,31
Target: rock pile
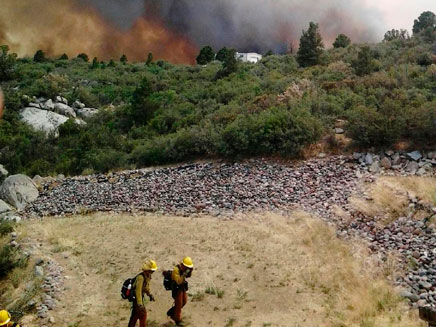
x,y
317,185
410,163
52,286
47,115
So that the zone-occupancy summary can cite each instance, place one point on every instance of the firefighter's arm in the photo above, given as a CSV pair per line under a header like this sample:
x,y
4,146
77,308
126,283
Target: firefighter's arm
x,y
138,290
175,276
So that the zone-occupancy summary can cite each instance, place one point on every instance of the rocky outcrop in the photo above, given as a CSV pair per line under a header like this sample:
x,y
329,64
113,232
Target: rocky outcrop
x,y
18,191
43,120
65,110
4,207
47,115
411,163
86,113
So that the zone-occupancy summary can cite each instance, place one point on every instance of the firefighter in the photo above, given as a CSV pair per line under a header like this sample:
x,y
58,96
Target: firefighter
x,y
141,286
179,288
5,319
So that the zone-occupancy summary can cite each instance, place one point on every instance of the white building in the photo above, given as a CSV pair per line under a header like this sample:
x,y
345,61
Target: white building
x,y
249,57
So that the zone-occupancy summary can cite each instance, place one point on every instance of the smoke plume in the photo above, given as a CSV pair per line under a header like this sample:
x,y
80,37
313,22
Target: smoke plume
x,y
175,29
72,26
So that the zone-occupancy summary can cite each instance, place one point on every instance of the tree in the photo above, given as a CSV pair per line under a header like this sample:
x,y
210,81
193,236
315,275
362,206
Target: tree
x,y
143,107
222,54
39,56
268,53
230,64
84,57
205,56
63,57
426,20
311,47
111,63
123,59
7,63
365,61
396,35
149,59
342,41
95,63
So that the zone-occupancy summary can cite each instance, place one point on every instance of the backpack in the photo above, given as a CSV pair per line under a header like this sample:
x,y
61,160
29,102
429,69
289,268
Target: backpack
x,y
127,291
167,280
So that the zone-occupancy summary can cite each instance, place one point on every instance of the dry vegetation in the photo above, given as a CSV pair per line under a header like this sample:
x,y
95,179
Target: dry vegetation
x,y
264,270
389,197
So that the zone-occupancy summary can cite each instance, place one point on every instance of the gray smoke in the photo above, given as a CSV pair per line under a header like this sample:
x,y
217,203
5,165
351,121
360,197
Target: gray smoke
x,y
249,25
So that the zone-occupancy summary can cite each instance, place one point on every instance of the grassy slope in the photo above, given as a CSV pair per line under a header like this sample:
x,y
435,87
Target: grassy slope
x,y
273,271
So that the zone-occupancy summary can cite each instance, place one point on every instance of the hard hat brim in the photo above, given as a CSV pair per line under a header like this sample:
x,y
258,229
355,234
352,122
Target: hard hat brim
x,y
187,266
4,323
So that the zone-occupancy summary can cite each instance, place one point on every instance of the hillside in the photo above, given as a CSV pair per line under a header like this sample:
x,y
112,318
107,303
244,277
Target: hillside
x,y
142,114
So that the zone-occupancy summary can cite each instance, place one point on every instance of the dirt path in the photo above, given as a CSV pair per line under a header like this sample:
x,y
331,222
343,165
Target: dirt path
x,y
263,270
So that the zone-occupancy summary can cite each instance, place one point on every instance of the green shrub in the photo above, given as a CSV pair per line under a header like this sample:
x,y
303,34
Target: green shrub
x,y
10,258
370,127
6,227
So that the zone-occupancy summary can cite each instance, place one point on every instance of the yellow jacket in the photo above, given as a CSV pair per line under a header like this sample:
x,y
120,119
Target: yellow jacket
x,y
178,276
142,286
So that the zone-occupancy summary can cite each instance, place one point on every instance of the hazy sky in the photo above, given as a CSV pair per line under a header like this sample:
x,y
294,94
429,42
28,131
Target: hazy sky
x,y
401,13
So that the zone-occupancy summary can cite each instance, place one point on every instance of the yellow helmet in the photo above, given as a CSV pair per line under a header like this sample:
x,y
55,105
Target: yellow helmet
x,y
150,265
187,262
5,317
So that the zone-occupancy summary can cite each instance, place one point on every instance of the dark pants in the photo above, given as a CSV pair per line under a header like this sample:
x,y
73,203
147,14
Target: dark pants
x,y
137,314
180,299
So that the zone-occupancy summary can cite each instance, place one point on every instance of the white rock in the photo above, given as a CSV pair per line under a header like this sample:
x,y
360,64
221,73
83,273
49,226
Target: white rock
x,y
65,110
3,171
43,120
86,112
48,105
35,105
18,191
80,122
4,207
60,99
79,105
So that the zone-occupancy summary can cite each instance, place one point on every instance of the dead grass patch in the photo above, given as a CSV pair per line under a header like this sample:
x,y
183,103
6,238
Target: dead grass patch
x,y
267,270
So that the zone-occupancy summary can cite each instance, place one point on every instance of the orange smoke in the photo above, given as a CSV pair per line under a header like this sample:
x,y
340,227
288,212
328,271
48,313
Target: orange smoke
x,y
64,26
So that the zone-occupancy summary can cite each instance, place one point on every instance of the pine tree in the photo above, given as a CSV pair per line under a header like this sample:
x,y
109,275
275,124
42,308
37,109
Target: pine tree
x,y
149,59
95,63
342,41
123,59
222,54
84,57
63,57
39,56
427,20
205,56
311,47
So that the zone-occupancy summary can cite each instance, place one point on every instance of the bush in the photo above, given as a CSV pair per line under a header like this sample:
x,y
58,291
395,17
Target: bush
x,y
8,63
276,131
6,227
342,41
39,56
10,258
370,127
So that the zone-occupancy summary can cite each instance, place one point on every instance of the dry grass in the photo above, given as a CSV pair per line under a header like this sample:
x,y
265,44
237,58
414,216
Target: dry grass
x,y
390,196
254,271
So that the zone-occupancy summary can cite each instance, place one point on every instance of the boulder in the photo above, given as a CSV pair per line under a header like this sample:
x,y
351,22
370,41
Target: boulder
x,y
43,120
375,168
60,99
80,122
396,159
65,110
18,191
48,105
4,207
35,105
386,163
369,160
78,105
86,113
415,155
412,167
3,172
339,131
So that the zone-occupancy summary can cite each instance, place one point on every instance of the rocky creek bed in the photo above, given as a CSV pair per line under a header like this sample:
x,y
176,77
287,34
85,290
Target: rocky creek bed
x,y
318,186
